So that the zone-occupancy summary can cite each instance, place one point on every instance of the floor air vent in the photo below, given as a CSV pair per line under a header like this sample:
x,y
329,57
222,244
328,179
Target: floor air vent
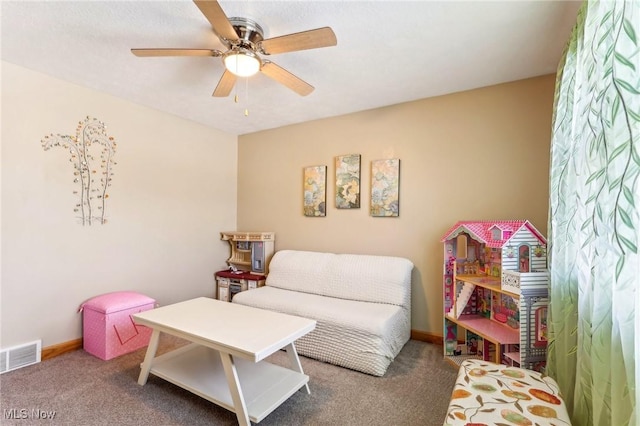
x,y
20,356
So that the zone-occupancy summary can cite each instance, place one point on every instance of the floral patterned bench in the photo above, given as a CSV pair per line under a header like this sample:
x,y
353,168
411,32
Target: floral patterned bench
x,y
493,394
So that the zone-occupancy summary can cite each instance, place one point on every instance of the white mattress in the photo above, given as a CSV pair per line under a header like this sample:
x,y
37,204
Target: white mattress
x,y
359,335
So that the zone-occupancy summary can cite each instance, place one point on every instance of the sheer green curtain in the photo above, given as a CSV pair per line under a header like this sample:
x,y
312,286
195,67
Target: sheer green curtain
x,y
594,218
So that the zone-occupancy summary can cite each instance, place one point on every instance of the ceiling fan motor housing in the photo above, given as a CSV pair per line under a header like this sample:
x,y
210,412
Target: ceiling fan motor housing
x,y
241,58
248,30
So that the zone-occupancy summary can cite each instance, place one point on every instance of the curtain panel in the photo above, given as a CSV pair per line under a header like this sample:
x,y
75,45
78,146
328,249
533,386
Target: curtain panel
x,y
594,217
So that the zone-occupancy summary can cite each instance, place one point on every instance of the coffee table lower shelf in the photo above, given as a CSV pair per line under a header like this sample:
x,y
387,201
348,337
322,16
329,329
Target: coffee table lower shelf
x,y
199,370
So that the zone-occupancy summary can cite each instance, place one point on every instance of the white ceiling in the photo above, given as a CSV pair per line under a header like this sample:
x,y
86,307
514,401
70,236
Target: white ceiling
x,y
388,52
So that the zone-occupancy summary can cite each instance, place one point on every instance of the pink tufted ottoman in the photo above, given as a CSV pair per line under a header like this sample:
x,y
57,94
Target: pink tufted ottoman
x,y
107,327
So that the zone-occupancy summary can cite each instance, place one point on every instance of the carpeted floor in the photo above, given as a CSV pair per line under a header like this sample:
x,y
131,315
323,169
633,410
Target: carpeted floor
x,y
84,390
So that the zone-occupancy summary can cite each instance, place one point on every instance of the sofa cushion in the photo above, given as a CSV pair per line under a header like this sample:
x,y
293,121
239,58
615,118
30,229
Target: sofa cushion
x,y
368,278
359,335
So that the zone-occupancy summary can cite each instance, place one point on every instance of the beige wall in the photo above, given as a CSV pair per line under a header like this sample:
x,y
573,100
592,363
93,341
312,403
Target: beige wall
x,y
173,190
481,154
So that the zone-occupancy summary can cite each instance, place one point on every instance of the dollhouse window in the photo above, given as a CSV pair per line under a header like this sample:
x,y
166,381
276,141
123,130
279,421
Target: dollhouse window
x,y
471,253
461,247
496,234
541,327
524,258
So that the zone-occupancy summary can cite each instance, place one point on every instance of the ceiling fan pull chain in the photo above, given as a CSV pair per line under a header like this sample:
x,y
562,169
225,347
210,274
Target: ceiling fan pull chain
x,y
246,89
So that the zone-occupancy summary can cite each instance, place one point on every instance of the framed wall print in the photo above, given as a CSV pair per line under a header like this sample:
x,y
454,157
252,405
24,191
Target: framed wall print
x,y
348,181
315,191
385,184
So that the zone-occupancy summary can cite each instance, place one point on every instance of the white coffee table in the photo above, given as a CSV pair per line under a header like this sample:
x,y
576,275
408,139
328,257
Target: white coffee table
x,y
224,364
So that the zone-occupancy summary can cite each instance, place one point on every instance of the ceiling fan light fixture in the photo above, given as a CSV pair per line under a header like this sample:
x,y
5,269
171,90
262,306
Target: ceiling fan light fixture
x,y
241,62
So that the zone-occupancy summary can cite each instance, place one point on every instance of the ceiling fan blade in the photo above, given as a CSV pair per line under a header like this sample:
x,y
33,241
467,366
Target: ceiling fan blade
x,y
283,76
312,39
175,52
217,18
226,83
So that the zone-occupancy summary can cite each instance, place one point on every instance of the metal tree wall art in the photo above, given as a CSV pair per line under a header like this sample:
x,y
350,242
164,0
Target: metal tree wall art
x,y
93,177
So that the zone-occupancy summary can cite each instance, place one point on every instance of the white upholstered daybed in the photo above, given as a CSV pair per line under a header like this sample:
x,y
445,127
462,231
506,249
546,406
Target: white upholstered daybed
x,y
362,305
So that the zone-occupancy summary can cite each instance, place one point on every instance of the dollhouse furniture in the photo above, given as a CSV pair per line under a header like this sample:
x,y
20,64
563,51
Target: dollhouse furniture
x,y
248,263
362,305
495,293
486,393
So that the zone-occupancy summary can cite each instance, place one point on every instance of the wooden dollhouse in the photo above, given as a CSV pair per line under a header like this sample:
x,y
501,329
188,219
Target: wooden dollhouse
x,y
495,293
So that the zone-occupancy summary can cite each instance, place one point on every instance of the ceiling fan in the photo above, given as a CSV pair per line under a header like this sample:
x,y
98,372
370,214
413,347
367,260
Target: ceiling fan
x,y
245,43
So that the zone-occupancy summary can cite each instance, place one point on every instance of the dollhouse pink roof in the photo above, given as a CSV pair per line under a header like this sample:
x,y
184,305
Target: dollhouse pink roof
x,y
481,231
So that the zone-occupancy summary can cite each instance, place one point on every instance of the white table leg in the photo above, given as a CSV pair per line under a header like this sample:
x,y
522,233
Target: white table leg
x,y
234,386
295,361
148,358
